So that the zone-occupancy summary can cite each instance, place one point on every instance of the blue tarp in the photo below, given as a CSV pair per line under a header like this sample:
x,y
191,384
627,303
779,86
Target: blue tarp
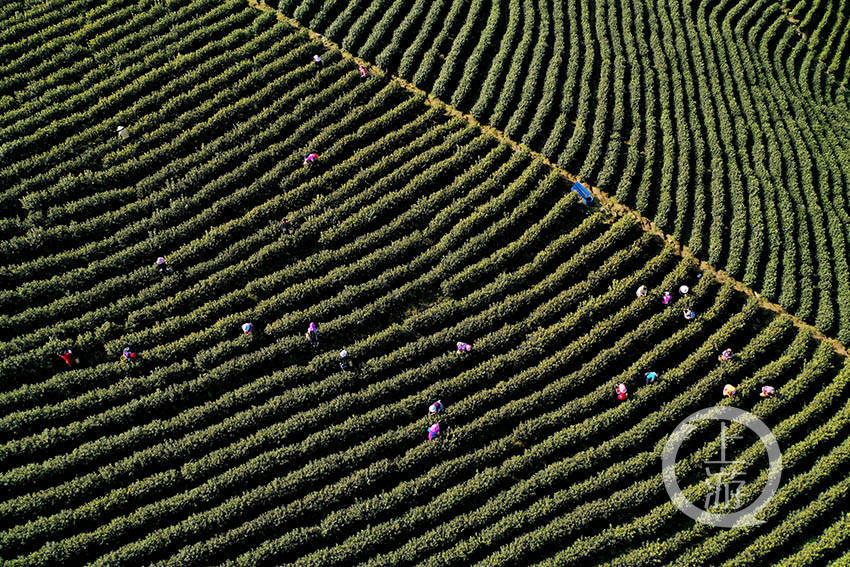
x,y
583,192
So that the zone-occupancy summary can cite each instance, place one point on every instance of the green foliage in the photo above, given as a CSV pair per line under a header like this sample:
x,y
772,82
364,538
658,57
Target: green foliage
x,y
727,128
412,232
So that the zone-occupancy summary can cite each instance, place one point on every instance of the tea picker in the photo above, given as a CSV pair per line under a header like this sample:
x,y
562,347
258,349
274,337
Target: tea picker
x,y
163,266
313,334
285,227
435,408
68,357
622,394
129,356
344,361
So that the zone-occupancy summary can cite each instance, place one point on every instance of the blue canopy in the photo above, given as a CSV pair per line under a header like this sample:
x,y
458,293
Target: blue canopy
x,y
583,192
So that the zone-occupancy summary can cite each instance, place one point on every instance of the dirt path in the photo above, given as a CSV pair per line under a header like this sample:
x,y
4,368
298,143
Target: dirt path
x,y
610,203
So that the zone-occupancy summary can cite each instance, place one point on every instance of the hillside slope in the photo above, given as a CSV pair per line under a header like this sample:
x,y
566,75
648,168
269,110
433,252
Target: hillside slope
x,y
717,120
412,232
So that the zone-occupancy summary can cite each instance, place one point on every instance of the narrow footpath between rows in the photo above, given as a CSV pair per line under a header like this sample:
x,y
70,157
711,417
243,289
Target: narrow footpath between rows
x,y
609,203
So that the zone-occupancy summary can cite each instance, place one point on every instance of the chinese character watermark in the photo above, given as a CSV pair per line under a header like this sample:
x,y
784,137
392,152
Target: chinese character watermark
x,y
724,477
722,474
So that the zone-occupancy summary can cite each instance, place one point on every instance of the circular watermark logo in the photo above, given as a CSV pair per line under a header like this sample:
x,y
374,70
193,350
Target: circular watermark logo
x,y
725,480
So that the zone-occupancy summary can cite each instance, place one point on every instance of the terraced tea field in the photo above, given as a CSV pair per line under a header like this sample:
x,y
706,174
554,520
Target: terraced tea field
x,y
413,231
717,120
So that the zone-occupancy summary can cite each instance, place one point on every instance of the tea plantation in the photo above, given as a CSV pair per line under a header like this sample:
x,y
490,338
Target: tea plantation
x,y
414,229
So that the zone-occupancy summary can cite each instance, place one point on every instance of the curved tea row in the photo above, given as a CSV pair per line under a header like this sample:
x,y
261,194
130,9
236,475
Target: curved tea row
x,y
717,120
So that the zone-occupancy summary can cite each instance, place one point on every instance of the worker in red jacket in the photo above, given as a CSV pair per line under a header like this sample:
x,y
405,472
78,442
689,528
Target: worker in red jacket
x,y
68,357
622,393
